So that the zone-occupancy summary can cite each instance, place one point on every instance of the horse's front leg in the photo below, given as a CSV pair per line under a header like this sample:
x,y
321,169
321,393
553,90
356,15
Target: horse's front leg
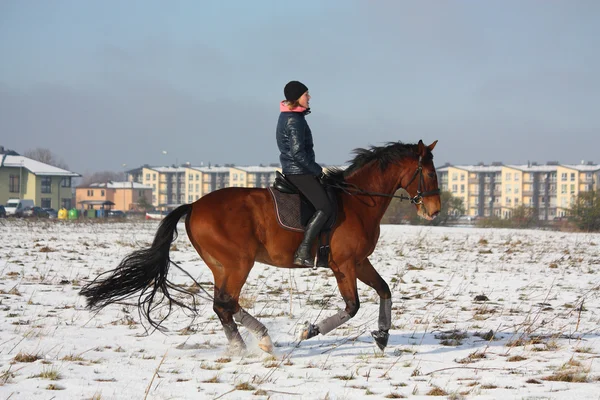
x,y
345,275
369,276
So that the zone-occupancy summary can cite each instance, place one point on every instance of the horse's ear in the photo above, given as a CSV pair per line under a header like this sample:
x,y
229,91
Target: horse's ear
x,y
421,148
432,146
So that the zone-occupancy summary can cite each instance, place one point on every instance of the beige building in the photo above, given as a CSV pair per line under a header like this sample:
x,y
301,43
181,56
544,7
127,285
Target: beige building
x,y
124,196
24,178
498,189
255,176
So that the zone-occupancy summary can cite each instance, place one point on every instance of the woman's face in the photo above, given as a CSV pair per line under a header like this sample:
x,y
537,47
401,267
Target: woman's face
x,y
304,100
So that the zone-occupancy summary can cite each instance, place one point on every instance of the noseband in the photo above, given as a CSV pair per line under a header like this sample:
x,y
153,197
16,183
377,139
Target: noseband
x,y
418,198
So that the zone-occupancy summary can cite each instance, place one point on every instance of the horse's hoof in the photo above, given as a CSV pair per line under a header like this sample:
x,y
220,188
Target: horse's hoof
x,y
381,338
308,331
265,344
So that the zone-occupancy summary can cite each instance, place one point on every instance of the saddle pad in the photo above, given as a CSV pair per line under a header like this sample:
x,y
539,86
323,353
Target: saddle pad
x,y
287,209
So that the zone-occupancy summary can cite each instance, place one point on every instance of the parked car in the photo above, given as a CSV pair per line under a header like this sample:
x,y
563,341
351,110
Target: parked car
x,y
16,207
2,211
37,212
116,214
52,213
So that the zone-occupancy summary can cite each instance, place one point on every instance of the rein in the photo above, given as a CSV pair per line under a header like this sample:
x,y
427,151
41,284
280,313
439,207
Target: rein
x,y
353,190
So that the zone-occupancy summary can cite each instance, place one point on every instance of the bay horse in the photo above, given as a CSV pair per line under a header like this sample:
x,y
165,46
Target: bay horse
x,y
233,227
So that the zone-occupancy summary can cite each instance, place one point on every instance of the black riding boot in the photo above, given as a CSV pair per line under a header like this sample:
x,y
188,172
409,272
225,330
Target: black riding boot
x,y
314,226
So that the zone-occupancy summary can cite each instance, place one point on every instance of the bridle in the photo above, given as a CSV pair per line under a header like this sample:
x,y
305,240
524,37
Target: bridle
x,y
353,190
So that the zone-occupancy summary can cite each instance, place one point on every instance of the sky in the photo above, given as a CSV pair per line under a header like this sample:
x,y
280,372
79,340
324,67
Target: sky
x,y
107,83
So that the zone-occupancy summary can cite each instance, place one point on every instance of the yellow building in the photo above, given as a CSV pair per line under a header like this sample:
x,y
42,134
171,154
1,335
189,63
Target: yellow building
x,y
24,178
254,176
498,189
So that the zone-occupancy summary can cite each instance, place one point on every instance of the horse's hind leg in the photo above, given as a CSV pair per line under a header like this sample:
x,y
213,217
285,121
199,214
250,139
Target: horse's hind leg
x,y
256,327
228,285
369,276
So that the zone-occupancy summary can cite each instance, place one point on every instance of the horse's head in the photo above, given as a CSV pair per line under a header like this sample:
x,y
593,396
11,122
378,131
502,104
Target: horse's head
x,y
423,185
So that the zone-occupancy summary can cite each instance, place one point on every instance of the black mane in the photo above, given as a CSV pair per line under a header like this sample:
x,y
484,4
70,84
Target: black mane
x,y
385,155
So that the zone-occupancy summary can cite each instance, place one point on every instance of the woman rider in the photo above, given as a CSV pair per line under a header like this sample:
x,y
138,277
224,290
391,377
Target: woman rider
x,y
297,158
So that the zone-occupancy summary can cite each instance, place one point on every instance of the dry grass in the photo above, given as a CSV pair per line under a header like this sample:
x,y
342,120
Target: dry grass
x,y
244,386
436,391
516,358
26,358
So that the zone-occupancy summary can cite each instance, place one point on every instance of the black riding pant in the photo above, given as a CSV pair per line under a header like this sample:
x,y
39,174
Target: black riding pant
x,y
314,192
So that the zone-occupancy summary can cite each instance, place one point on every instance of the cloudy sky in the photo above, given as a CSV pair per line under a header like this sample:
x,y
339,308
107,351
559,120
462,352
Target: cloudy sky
x,y
102,83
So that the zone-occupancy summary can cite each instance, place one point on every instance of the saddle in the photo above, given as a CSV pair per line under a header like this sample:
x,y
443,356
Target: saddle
x,y
294,211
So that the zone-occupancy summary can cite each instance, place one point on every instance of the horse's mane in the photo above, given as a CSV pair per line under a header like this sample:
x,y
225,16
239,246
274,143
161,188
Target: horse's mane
x,y
385,155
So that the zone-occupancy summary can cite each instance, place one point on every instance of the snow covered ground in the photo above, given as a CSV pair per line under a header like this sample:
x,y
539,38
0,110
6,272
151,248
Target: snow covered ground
x,y
477,314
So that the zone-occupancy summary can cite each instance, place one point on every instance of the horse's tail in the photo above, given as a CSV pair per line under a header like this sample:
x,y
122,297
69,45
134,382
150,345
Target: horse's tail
x,y
143,270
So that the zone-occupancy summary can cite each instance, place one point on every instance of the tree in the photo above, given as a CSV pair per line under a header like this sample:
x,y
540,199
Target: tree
x,y
585,211
47,157
399,211
524,217
101,177
143,204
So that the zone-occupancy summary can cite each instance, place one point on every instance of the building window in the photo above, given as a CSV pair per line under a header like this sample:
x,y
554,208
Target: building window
x,y
563,189
508,189
508,201
46,202
516,176
516,201
462,177
66,203
65,182
197,187
516,190
14,184
153,177
191,187
46,184
102,193
455,176
507,176
563,176
462,188
147,177
454,188
197,177
190,198
572,176
235,177
90,192
572,188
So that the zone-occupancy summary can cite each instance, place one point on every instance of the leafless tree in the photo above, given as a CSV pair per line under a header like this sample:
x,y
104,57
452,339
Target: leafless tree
x,y
101,177
46,156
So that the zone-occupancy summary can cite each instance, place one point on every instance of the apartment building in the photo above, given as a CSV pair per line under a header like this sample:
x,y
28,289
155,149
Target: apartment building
x,y
498,189
255,176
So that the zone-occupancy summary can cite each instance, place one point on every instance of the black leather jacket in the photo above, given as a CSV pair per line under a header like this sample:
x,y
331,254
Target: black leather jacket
x,y
295,143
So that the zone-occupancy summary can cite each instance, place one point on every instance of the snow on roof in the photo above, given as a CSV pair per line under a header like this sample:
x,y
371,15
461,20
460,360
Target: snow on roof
x,y
583,167
211,169
36,167
168,169
257,169
119,185
473,168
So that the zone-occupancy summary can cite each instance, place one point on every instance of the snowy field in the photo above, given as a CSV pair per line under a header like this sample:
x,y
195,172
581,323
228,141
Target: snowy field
x,y
485,314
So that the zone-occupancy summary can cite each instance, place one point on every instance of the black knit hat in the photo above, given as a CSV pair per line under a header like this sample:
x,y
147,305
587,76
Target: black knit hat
x,y
294,90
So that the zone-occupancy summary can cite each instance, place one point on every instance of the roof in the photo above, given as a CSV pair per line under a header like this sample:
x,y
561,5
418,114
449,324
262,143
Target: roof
x,y
257,169
163,170
473,168
118,185
209,170
36,167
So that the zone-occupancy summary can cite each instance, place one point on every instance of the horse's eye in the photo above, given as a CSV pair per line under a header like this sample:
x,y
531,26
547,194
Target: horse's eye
x,y
431,174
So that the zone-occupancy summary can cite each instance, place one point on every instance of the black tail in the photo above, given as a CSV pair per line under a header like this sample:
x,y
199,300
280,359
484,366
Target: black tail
x,y
143,270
